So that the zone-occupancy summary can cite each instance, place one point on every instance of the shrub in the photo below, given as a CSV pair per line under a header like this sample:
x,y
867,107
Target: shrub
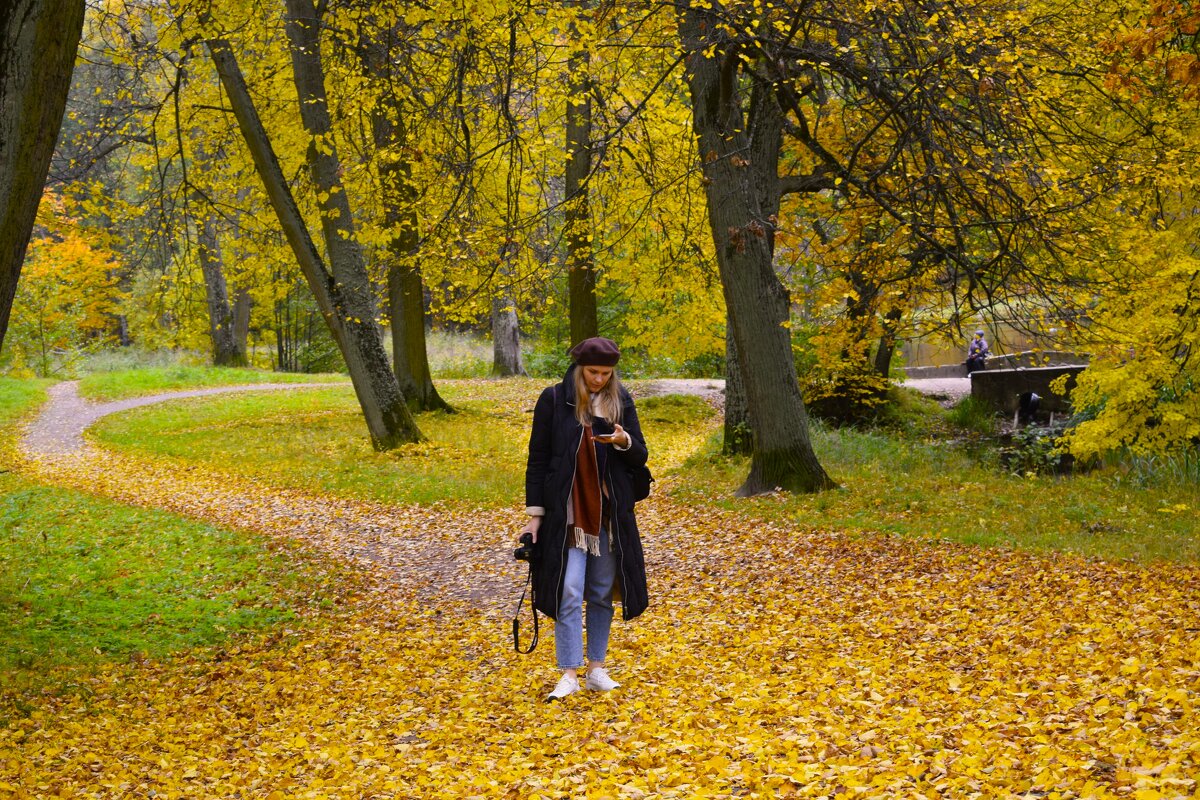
x,y
973,415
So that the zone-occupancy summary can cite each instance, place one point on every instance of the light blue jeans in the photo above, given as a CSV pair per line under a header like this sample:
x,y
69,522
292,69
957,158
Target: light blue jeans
x,y
590,578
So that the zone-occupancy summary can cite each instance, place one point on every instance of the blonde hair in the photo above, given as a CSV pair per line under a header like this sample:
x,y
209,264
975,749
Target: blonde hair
x,y
609,399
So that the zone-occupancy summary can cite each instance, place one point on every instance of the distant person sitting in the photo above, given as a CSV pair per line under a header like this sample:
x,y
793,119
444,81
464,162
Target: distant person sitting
x,y
977,353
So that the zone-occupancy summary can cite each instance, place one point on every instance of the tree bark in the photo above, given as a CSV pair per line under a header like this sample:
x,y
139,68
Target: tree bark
x,y
739,440
343,295
581,267
242,305
738,156
38,42
406,289
221,320
887,344
506,339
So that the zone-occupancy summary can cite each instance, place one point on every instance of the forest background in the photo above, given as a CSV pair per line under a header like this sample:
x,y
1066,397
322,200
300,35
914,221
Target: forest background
x,y
764,190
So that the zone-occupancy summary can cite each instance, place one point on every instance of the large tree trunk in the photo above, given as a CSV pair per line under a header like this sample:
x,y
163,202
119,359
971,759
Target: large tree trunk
x,y
38,42
406,289
221,321
736,163
410,355
343,295
581,268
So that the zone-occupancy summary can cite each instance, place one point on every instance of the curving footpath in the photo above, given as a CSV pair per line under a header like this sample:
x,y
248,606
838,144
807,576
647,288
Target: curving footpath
x,y
59,428
391,542
453,552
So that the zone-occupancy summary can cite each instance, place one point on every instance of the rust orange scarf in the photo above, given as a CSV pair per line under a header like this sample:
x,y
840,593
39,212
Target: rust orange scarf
x,y
587,498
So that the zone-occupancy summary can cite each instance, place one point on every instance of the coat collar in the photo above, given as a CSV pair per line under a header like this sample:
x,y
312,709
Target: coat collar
x,y
568,383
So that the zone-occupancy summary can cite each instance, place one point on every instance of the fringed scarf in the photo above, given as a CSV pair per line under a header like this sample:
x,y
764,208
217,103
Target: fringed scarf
x,y
587,496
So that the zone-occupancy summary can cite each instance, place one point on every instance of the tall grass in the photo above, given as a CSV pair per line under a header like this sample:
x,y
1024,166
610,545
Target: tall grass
x,y
973,415
458,355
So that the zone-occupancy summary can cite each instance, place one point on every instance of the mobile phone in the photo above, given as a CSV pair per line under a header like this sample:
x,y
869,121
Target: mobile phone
x,y
605,437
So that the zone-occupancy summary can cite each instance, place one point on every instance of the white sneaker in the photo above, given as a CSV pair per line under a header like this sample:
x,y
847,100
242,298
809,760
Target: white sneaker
x,y
566,685
598,681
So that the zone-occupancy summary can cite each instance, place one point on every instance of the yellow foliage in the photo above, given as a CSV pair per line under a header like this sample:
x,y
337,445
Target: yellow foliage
x,y
1140,391
68,292
811,665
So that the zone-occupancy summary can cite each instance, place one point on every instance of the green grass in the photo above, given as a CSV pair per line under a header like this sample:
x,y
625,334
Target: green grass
x,y
86,580
19,401
973,415
120,384
316,440
931,489
20,398
914,478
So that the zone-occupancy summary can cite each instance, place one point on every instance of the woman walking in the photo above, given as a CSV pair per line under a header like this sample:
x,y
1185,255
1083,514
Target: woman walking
x,y
579,498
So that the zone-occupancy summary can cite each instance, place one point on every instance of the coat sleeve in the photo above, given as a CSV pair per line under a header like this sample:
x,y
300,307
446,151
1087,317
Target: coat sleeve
x,y
637,453
540,435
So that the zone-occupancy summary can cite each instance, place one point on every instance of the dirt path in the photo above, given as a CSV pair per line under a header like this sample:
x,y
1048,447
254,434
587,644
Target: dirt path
x,y
454,552
59,428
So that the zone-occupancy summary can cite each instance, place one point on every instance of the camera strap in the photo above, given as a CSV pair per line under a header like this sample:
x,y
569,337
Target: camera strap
x,y
516,623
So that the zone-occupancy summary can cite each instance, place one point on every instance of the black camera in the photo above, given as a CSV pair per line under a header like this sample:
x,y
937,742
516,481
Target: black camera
x,y
525,551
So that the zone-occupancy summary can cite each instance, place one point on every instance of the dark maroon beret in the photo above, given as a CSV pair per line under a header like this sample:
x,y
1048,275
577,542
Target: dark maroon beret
x,y
596,352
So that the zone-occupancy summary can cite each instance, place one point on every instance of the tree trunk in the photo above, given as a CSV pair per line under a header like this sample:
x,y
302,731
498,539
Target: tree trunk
x,y
406,289
887,344
736,163
38,42
506,339
343,296
739,440
410,356
221,326
242,305
581,268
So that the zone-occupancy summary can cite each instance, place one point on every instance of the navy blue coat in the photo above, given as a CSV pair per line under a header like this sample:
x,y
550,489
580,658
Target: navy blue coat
x,y
553,443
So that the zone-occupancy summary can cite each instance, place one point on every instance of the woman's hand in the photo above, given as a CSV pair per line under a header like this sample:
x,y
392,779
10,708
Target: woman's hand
x,y
532,527
621,437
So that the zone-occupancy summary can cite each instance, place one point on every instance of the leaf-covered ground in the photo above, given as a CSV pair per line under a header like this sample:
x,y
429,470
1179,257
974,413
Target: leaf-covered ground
x,y
776,660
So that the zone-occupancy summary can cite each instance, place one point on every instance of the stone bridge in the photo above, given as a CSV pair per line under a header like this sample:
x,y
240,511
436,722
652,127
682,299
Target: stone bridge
x,y
1006,377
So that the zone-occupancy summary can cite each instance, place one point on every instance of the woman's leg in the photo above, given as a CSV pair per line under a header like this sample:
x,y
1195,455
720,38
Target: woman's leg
x,y
601,572
568,628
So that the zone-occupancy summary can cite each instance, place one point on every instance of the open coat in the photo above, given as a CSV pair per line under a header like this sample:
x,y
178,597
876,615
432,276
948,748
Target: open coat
x,y
549,474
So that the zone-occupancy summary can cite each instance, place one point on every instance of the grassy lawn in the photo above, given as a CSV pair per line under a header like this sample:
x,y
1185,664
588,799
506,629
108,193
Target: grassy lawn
x,y
120,384
85,580
316,440
19,399
930,488
920,485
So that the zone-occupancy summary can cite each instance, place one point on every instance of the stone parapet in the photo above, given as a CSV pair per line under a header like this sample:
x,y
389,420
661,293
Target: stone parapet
x,y
1025,359
1001,388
